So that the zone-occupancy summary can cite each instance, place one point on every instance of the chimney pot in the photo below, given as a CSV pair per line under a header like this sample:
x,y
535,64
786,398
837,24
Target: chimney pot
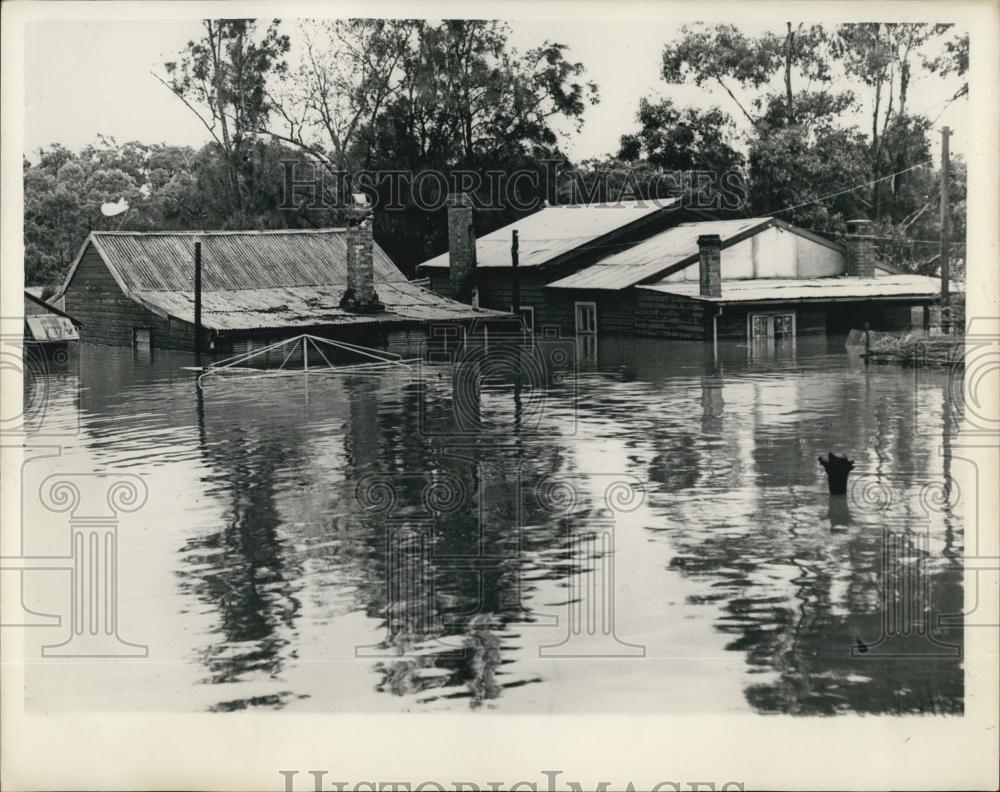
x,y
462,249
710,265
859,244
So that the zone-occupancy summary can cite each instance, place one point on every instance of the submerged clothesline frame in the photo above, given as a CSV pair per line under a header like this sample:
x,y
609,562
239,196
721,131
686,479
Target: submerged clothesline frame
x,y
381,360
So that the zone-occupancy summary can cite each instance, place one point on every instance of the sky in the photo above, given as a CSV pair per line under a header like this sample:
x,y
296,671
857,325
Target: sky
x,y
84,78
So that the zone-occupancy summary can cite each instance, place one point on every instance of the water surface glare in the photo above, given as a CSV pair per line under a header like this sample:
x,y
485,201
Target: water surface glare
x,y
650,534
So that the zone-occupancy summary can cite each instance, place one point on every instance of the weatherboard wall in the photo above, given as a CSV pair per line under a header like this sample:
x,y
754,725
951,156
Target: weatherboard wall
x,y
110,317
663,315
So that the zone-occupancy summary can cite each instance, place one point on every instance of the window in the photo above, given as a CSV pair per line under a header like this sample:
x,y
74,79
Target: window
x,y
246,346
142,339
586,318
527,314
771,325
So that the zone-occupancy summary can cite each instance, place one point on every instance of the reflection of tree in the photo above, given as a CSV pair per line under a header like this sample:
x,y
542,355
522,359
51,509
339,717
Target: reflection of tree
x,y
799,583
286,466
242,570
443,568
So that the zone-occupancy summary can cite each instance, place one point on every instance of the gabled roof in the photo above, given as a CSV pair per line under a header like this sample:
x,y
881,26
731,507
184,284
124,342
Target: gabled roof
x,y
554,231
806,289
230,259
671,250
259,279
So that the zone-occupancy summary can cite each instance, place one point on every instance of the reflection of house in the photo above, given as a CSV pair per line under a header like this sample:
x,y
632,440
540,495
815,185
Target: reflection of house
x,y
256,287
45,324
742,279
554,242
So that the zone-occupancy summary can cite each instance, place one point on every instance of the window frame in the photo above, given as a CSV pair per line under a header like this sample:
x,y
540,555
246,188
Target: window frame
x,y
577,305
135,339
530,309
772,314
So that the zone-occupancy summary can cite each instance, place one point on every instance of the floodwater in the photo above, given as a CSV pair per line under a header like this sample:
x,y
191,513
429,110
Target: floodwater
x,y
647,531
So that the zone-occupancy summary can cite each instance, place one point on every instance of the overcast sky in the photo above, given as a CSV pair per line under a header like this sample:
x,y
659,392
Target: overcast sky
x,y
85,78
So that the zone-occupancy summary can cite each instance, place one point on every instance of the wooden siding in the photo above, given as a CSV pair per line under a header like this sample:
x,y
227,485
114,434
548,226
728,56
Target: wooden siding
x,y
661,315
109,317
664,315
889,317
495,291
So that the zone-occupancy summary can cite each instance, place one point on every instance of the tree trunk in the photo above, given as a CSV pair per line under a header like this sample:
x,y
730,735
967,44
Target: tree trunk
x,y
788,75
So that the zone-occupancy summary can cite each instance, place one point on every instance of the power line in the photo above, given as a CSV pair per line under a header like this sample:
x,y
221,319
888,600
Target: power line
x,y
851,189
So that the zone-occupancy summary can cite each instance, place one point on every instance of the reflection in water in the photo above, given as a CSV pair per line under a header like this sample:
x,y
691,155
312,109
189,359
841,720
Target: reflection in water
x,y
242,569
368,543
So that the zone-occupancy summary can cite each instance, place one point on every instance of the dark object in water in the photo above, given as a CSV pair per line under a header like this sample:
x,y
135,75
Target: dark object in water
x,y
837,469
839,514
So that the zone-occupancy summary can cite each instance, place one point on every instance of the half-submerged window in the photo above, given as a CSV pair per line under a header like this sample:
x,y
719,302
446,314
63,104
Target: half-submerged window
x,y
771,325
142,339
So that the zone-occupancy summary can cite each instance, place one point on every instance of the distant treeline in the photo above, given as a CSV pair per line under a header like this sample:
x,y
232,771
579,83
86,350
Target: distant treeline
x,y
415,96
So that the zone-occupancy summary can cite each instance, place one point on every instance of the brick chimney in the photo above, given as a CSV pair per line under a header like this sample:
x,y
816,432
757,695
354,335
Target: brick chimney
x,y
710,265
462,250
860,249
360,295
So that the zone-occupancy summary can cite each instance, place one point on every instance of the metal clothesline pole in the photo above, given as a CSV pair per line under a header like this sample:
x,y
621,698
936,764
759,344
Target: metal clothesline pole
x,y
378,354
380,359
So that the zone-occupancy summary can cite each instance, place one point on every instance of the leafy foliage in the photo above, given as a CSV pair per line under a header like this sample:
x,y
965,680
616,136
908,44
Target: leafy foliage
x,y
682,139
417,96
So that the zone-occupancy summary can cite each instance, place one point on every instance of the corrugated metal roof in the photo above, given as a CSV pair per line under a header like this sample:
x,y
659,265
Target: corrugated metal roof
x,y
233,259
306,306
262,279
795,289
670,248
555,230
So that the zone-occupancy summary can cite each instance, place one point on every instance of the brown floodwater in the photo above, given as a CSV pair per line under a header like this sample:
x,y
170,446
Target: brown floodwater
x,y
641,528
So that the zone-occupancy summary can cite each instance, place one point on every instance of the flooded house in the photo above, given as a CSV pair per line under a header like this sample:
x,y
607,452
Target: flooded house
x,y
553,243
255,288
743,279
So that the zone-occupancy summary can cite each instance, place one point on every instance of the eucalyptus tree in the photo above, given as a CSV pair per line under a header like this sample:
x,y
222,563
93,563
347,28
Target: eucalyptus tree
x,y
222,78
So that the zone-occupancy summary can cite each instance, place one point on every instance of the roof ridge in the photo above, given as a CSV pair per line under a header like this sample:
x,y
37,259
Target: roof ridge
x,y
226,232
690,223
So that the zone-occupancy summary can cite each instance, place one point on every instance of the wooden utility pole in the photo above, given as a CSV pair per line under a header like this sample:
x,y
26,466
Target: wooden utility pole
x,y
515,283
945,231
197,298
